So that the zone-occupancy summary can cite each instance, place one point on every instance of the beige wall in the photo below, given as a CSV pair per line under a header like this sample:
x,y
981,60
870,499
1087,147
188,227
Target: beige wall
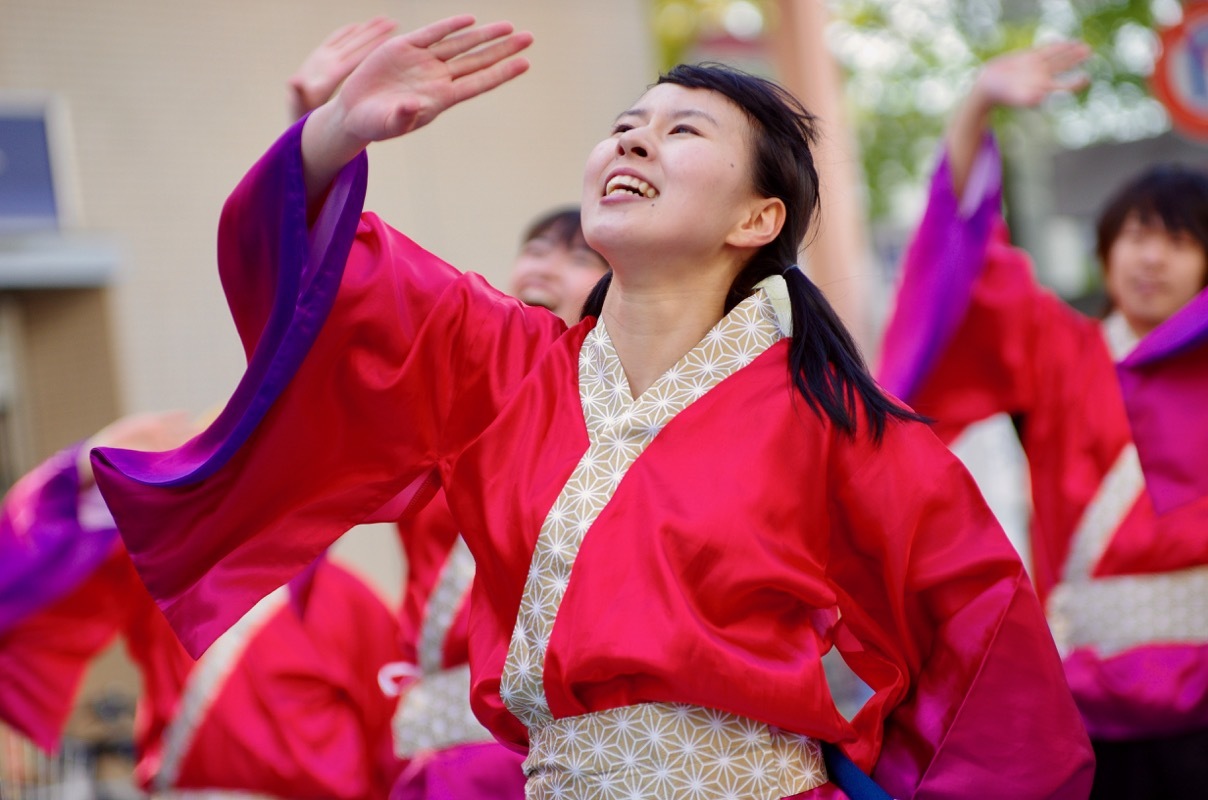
x,y
172,101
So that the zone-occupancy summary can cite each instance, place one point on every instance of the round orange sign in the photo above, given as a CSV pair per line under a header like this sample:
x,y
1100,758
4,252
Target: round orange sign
x,y
1180,77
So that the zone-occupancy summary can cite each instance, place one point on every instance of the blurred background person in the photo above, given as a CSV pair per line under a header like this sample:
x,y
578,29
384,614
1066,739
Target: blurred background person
x,y
1108,412
448,751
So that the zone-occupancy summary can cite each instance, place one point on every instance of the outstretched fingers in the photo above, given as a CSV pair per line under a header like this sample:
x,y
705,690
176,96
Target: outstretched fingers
x,y
1062,56
483,58
367,35
452,46
1060,59
433,33
486,79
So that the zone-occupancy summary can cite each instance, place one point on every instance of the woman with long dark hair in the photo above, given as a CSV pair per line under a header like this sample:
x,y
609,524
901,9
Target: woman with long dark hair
x,y
676,506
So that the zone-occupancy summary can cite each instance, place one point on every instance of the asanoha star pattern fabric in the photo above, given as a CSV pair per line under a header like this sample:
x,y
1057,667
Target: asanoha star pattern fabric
x,y
435,713
674,761
447,597
665,750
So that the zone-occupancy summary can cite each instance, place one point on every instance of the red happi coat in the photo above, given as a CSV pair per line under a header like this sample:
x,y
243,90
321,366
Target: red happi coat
x,y
285,706
448,752
1125,587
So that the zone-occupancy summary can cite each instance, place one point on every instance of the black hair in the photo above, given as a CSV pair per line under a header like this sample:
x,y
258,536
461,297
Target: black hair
x,y
562,225
825,364
1172,195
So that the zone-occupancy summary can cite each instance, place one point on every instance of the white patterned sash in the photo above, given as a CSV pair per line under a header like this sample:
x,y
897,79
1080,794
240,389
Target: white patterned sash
x,y
446,599
1116,613
435,714
668,750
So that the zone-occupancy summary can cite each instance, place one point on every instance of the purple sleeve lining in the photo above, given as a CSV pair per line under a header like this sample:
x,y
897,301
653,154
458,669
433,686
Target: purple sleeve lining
x,y
940,270
1187,328
311,266
1164,382
45,552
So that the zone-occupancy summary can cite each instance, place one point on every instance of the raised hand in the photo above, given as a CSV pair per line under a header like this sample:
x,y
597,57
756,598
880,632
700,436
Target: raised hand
x,y
1019,79
1024,78
331,62
406,83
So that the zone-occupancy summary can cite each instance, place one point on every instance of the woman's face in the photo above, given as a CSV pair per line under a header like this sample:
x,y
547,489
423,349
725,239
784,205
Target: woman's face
x,y
550,273
672,180
1153,272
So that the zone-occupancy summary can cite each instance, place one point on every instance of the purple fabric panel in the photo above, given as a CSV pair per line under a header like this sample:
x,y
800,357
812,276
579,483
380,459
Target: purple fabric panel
x,y
1165,383
939,271
1151,691
44,550
310,267
483,771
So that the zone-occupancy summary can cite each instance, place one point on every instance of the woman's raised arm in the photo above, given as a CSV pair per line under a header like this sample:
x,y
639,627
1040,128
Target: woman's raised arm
x,y
1018,79
403,85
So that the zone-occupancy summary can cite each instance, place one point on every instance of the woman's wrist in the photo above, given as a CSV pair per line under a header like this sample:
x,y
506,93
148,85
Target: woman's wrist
x,y
326,148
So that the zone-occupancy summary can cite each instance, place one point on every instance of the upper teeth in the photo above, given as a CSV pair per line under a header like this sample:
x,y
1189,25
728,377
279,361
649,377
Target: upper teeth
x,y
628,183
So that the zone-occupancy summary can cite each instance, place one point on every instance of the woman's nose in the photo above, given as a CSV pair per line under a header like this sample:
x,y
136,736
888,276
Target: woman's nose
x,y
632,142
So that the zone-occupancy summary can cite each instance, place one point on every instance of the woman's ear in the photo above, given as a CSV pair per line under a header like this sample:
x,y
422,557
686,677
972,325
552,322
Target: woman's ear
x,y
760,224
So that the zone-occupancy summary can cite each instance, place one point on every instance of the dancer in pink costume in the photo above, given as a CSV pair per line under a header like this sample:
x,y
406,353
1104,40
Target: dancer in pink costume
x,y
1109,412
287,704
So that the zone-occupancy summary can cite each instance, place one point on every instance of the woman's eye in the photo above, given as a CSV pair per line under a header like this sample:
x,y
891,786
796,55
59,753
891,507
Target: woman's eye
x,y
684,129
620,128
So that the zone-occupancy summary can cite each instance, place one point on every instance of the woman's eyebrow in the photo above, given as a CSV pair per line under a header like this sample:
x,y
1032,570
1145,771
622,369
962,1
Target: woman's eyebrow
x,y
644,114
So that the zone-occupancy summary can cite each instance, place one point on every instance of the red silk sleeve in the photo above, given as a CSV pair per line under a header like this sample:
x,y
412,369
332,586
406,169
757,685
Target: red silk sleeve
x,y
949,633
44,657
995,360
371,366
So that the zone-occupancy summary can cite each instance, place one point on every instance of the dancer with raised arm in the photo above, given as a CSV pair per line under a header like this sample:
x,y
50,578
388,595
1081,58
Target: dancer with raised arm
x,y
676,506
1108,412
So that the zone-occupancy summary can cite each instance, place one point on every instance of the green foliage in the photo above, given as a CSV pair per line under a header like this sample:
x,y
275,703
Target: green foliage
x,y
909,63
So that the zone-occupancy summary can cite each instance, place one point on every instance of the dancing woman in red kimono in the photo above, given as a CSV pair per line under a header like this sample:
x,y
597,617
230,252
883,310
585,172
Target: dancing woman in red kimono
x,y
676,506
1110,415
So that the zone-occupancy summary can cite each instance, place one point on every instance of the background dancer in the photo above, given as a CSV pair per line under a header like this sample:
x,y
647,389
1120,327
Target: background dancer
x,y
448,752
1108,413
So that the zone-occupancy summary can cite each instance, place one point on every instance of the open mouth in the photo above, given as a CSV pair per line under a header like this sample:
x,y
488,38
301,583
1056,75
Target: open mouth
x,y
628,184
